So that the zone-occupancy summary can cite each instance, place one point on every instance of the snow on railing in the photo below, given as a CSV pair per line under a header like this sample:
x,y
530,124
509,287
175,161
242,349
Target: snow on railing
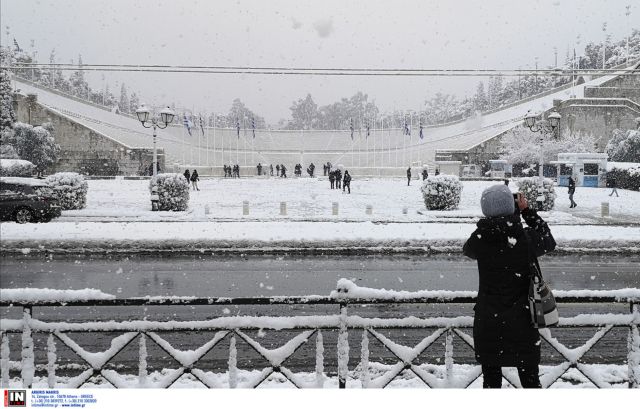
x,y
236,330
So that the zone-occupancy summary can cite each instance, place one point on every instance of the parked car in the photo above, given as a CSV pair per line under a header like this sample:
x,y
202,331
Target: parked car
x,y
27,200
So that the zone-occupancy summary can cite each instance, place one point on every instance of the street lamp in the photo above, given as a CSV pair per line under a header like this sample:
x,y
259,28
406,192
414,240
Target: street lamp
x,y
549,126
149,120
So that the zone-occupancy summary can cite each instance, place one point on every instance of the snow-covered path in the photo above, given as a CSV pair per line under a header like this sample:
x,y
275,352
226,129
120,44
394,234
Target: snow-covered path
x,y
311,199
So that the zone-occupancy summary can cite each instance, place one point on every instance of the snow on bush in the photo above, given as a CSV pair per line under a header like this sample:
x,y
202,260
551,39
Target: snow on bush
x,y
70,189
441,192
529,187
173,191
16,167
627,178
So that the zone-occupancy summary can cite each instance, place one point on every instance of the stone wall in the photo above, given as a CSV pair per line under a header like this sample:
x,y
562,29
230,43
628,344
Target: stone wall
x,y
84,150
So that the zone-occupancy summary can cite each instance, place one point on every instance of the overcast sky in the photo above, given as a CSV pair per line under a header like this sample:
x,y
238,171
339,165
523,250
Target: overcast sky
x,y
329,33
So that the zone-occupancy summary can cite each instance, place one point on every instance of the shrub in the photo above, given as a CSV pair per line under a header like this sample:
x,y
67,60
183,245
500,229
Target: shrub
x,y
441,192
16,167
70,188
625,178
529,187
173,191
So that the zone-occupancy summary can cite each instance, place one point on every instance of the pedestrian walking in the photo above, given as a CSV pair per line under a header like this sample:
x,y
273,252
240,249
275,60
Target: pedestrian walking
x,y
283,170
346,183
437,171
503,331
194,180
278,170
409,176
425,174
613,184
271,169
571,191
338,178
324,169
312,169
187,175
259,169
332,179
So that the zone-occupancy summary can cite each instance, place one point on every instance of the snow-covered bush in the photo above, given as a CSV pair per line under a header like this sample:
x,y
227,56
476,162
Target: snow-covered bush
x,y
16,167
626,178
70,188
173,191
35,144
441,192
529,187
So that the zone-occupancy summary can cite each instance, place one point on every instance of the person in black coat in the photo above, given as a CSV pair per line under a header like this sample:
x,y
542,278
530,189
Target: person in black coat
x,y
195,178
408,175
346,182
425,174
187,175
614,186
503,330
338,178
332,179
571,191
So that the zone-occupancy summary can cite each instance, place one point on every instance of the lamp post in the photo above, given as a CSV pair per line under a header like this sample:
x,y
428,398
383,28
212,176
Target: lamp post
x,y
549,126
153,121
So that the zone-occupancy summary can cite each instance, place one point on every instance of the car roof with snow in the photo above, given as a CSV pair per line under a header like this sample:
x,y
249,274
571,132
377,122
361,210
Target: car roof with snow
x,y
23,181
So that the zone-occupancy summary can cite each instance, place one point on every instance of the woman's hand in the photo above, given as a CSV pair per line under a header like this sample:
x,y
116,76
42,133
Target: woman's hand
x,y
522,202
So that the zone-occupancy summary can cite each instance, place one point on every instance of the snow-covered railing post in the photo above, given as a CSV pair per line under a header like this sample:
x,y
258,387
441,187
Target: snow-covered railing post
x,y
343,337
142,361
28,366
233,362
319,361
633,359
448,357
4,359
51,362
364,360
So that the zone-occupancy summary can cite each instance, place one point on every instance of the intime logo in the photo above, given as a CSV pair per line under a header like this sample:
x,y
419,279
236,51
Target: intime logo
x,y
15,398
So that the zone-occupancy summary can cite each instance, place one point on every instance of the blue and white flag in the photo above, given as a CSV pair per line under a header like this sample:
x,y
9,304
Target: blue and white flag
x,y
187,123
351,128
421,133
238,127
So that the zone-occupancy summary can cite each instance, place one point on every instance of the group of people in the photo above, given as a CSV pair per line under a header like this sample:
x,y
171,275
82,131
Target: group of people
x,y
192,177
336,180
231,171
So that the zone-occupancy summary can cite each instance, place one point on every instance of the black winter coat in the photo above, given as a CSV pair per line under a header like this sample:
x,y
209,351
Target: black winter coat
x,y
572,187
502,329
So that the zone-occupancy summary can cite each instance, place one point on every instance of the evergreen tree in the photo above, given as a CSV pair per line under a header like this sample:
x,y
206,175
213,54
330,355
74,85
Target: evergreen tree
x,y
124,100
79,85
480,99
134,103
7,115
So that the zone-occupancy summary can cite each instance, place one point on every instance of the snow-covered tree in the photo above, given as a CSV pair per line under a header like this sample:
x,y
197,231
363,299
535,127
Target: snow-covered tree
x,y
624,146
123,105
480,99
134,103
520,145
79,85
529,188
7,115
35,144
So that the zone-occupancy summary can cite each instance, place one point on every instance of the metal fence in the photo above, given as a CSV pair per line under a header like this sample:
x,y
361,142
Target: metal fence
x,y
310,327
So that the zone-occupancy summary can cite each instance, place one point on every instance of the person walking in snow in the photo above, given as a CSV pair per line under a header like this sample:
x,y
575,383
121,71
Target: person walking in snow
x,y
346,183
278,170
425,174
271,169
194,180
571,191
503,332
332,179
437,171
614,186
187,175
338,178
283,171
324,169
312,169
259,169
409,176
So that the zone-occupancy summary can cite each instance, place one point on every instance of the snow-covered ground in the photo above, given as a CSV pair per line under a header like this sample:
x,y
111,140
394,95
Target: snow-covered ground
x,y
311,199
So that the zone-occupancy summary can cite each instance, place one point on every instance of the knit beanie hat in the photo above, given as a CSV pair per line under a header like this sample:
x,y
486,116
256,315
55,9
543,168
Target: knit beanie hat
x,y
497,201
